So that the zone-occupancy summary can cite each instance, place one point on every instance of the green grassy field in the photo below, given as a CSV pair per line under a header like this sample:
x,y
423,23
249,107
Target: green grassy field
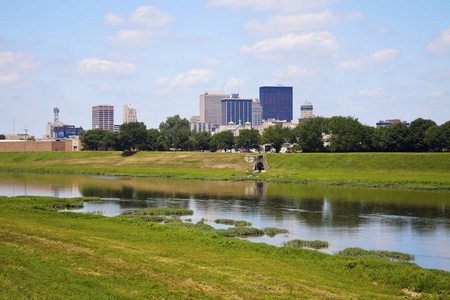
x,y
46,254
404,170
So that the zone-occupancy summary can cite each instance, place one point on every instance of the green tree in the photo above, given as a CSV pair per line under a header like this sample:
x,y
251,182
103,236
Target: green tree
x,y
392,138
248,139
417,130
224,140
347,134
437,137
309,135
276,136
445,129
181,139
203,140
92,139
133,136
151,143
111,141
2,137
169,129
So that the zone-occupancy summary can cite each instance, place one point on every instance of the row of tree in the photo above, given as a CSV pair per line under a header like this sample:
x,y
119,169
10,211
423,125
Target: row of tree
x,y
336,134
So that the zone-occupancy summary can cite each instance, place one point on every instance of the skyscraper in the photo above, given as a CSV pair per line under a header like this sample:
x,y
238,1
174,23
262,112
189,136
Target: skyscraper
x,y
276,102
256,113
211,107
103,117
236,110
129,114
306,110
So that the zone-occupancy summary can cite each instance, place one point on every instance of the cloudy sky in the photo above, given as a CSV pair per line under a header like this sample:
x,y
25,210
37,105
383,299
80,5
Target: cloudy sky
x,y
373,60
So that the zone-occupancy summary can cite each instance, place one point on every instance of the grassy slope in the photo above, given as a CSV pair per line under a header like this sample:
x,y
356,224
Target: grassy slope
x,y
429,170
45,254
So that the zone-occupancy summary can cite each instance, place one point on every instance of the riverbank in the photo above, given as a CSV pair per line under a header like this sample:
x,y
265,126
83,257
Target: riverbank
x,y
398,170
46,254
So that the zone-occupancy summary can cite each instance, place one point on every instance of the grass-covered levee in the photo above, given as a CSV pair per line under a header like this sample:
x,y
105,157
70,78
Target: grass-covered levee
x,y
398,170
46,254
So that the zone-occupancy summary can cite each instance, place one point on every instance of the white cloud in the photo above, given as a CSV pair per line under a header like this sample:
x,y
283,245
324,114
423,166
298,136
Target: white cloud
x,y
436,94
441,45
106,86
210,61
234,84
311,44
279,24
13,65
353,16
134,38
17,62
378,58
150,16
294,72
384,30
375,93
277,5
193,78
113,19
7,79
97,68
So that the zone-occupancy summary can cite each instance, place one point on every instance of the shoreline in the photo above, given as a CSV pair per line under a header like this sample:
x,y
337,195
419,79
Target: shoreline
x,y
412,171
316,183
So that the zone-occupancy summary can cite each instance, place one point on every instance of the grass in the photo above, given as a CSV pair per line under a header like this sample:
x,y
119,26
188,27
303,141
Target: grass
x,y
145,218
271,231
404,170
240,232
46,254
307,244
382,254
163,211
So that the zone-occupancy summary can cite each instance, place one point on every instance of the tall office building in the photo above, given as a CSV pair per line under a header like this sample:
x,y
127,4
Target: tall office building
x,y
306,110
256,113
129,114
236,110
211,107
103,117
276,102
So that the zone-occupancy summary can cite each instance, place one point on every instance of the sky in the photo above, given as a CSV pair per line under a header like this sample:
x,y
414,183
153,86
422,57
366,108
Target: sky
x,y
372,60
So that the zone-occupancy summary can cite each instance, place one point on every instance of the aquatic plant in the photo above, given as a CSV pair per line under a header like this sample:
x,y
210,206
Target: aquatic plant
x,y
306,244
381,254
163,211
233,222
240,232
272,231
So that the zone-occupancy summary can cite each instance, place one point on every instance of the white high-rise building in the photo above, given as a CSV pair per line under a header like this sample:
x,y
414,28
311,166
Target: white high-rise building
x,y
129,114
211,107
103,117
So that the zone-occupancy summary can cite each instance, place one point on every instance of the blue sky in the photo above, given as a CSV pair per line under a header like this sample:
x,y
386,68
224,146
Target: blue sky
x,y
373,60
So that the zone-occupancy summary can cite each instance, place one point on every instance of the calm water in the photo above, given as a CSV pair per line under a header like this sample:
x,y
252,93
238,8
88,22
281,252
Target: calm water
x,y
415,222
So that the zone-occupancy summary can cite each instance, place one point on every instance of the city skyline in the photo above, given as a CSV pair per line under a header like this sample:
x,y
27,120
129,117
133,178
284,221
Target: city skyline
x,y
374,61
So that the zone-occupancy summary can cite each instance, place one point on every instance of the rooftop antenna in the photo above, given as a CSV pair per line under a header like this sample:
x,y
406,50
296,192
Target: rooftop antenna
x,y
26,134
56,113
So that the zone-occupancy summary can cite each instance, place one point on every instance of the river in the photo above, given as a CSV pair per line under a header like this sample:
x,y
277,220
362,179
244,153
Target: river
x,y
413,222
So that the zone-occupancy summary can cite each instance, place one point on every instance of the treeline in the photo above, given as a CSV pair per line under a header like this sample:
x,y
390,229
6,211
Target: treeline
x,y
336,134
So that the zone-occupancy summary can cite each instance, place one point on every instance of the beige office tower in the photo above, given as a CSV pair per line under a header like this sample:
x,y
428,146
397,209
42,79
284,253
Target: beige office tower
x,y
129,115
306,110
103,117
211,107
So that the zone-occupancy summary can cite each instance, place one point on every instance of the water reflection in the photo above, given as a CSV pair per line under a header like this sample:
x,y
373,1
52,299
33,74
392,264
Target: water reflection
x,y
416,222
